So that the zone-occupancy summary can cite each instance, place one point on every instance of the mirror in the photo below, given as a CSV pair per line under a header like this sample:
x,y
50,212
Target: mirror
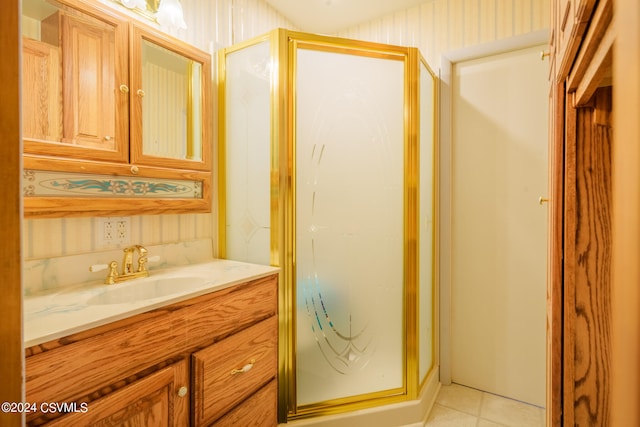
x,y
172,81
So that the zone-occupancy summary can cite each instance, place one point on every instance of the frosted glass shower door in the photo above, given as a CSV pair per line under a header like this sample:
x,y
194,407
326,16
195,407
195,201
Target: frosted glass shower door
x,y
426,259
247,151
349,219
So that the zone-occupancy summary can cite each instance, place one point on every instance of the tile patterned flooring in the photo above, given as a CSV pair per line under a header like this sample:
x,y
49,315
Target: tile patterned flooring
x,y
459,406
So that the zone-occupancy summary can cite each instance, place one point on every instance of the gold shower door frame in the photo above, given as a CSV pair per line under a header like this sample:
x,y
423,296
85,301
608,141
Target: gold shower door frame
x,y
284,45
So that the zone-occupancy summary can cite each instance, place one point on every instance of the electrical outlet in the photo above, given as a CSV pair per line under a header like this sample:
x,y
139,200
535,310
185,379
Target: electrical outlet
x,y
113,232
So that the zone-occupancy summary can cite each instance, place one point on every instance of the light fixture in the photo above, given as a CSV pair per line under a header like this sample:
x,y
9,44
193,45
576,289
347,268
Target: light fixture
x,y
167,13
132,4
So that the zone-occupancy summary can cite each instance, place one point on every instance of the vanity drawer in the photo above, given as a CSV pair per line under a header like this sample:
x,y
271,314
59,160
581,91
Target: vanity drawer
x,y
259,410
218,381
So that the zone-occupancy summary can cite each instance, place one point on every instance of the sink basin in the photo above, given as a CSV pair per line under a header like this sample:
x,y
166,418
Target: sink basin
x,y
145,289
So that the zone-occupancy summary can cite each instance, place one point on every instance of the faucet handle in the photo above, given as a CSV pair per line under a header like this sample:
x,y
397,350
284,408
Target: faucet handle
x,y
98,267
143,260
111,276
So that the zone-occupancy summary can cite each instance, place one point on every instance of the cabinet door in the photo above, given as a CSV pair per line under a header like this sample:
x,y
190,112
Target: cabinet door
x,y
572,20
154,401
170,102
83,108
41,90
89,99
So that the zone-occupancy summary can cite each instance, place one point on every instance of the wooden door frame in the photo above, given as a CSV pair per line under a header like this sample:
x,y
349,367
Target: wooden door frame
x,y
447,61
625,298
12,353
555,256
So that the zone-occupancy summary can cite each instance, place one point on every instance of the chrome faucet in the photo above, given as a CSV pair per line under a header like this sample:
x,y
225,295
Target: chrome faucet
x,y
128,271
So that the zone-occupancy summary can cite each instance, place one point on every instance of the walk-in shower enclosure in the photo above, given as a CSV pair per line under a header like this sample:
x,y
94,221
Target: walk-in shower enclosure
x,y
327,169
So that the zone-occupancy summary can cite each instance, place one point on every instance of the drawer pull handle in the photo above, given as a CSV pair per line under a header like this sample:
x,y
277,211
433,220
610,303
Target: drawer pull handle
x,y
182,392
244,369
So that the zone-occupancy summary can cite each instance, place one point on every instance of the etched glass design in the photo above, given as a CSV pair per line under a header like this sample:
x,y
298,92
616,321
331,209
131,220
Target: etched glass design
x,y
349,174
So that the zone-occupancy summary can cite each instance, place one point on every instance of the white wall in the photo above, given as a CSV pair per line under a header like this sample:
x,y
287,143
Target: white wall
x,y
440,26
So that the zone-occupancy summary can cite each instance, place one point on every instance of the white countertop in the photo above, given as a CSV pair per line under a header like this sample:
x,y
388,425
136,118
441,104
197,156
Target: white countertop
x,y
58,314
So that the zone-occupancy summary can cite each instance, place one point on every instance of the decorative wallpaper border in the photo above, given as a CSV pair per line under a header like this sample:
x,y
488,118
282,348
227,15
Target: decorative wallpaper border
x,y
37,183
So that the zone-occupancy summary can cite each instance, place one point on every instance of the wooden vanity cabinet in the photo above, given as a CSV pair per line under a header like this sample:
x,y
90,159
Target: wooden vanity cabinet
x,y
211,359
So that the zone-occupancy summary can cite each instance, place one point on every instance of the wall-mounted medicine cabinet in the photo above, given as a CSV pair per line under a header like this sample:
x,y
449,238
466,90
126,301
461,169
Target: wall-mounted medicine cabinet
x,y
116,115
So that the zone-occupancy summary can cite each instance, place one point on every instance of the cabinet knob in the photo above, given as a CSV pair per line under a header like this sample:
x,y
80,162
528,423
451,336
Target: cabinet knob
x,y
124,88
542,200
135,170
140,93
107,138
244,369
182,391
543,55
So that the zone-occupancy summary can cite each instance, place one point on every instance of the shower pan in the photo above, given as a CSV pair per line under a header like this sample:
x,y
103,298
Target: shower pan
x,y
327,169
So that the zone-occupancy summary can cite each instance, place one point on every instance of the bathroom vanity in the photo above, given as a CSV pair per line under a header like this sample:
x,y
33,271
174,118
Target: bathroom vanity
x,y
203,356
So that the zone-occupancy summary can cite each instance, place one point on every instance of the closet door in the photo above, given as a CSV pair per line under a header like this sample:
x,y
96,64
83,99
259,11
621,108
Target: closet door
x,y
499,229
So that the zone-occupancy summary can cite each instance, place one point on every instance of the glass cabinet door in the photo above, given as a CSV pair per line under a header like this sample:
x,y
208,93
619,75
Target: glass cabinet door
x,y
74,82
170,111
